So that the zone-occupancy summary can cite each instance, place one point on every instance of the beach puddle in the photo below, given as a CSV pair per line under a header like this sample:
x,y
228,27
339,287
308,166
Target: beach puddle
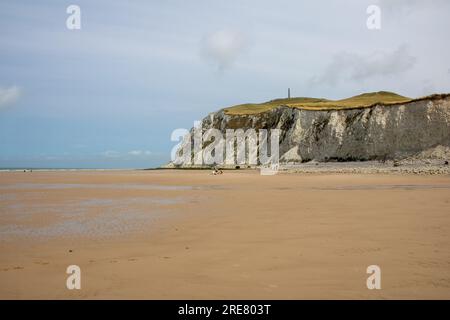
x,y
57,186
93,217
99,186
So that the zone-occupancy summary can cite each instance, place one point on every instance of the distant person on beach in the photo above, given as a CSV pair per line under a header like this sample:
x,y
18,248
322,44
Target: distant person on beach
x,y
216,171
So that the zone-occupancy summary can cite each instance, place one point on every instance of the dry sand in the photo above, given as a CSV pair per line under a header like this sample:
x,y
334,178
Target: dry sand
x,y
190,235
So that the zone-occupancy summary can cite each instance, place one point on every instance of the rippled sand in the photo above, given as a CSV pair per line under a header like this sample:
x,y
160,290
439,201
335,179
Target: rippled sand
x,y
188,234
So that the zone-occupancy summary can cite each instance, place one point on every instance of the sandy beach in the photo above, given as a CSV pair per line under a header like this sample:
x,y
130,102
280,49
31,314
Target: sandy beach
x,y
174,234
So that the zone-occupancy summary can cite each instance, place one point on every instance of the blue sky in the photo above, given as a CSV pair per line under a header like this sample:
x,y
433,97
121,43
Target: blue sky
x,y
109,95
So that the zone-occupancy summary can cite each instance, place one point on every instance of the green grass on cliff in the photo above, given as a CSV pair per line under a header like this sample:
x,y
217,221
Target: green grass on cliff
x,y
360,101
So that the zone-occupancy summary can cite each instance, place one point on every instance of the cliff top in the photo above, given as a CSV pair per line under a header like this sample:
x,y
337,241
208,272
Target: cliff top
x,y
364,100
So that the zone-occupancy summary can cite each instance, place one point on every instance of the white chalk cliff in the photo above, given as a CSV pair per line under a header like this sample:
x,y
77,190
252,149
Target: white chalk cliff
x,y
376,132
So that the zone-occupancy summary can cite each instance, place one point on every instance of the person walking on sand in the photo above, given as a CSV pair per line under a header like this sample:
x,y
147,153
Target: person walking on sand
x,y
216,171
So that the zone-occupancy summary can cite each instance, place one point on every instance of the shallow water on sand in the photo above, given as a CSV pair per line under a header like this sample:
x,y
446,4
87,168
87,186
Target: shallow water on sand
x,y
50,186
23,215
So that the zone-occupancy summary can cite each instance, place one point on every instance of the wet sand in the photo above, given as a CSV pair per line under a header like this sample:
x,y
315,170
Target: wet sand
x,y
190,235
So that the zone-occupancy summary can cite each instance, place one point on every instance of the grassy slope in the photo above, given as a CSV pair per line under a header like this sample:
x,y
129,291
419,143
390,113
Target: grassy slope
x,y
360,101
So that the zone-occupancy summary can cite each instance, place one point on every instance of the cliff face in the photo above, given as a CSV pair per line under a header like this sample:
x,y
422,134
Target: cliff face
x,y
376,132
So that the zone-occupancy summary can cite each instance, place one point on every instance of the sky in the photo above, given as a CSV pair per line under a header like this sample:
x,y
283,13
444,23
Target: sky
x,y
109,95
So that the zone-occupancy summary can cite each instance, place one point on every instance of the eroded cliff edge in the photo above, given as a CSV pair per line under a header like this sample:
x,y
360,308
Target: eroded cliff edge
x,y
377,132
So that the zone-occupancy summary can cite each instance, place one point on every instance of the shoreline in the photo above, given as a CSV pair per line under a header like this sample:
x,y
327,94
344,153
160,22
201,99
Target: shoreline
x,y
429,167
426,166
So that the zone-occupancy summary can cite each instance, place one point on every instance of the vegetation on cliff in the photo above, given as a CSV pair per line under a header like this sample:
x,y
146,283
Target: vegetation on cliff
x,y
360,101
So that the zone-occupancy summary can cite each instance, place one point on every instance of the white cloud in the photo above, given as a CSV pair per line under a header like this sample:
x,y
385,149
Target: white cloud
x,y
358,67
110,154
140,153
135,152
223,47
9,95
409,6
